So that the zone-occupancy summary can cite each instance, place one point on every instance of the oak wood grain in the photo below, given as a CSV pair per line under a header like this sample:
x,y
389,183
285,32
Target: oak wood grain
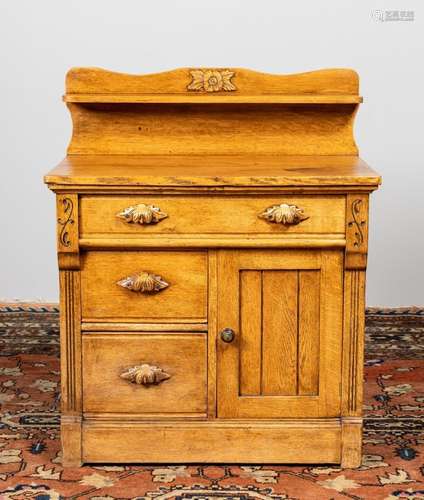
x,y
279,335
308,333
250,332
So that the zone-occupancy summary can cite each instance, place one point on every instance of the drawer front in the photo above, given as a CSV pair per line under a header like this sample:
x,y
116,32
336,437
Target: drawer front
x,y
147,373
144,285
140,215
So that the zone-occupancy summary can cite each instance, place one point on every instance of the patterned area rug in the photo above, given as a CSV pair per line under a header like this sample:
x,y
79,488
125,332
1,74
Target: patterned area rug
x,y
30,462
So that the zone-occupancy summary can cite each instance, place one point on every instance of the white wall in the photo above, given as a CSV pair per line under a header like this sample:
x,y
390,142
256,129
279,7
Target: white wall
x,y
40,40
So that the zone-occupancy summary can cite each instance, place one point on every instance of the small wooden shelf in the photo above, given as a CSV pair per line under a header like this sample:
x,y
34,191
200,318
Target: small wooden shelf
x,y
212,99
212,111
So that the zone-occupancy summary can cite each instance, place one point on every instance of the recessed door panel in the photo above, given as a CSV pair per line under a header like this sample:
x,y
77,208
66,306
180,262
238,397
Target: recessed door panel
x,y
285,308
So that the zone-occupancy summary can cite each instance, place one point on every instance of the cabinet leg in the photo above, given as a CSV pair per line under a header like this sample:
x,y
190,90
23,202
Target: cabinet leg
x,y
351,442
71,441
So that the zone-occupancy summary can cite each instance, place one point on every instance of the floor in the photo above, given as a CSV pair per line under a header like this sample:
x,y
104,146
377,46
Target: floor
x,y
30,461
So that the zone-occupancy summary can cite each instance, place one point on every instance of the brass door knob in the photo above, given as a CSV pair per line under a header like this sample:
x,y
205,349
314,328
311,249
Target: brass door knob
x,y
227,335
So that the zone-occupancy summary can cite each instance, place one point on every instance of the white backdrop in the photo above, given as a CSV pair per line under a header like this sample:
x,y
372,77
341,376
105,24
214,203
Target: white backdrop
x,y
40,40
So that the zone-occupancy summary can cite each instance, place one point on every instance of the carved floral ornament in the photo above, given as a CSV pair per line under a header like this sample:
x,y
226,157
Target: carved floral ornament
x,y
143,282
283,214
145,374
211,80
142,214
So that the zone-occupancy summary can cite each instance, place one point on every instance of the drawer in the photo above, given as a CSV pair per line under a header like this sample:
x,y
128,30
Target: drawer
x,y
144,285
147,373
208,215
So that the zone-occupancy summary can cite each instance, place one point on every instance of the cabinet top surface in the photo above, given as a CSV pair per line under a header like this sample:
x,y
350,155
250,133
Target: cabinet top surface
x,y
225,171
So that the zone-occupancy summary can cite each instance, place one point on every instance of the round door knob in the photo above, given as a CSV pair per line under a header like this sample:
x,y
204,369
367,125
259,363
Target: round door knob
x,y
227,335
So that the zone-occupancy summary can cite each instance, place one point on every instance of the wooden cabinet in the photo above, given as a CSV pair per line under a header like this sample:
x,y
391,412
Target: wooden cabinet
x,y
212,235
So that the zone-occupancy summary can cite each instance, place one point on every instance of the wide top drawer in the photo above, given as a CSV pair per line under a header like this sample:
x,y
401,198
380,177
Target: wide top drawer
x,y
139,215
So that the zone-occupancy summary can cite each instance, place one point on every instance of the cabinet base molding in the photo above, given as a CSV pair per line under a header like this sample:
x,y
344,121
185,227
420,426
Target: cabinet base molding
x,y
269,442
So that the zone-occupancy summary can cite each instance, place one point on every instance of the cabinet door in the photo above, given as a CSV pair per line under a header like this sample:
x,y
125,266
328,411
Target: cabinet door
x,y
285,308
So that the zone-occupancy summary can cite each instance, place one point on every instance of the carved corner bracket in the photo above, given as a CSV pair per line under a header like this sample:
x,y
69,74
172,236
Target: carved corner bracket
x,y
145,374
357,222
211,80
67,231
65,221
356,231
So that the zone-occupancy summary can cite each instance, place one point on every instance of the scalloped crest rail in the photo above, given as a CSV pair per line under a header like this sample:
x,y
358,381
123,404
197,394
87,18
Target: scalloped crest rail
x,y
96,82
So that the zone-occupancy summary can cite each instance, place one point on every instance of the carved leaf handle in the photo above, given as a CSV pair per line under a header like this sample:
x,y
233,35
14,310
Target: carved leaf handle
x,y
283,214
142,214
143,282
145,374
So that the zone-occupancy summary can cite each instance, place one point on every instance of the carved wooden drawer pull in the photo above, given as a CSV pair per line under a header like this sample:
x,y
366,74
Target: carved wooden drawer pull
x,y
283,214
143,282
142,214
145,375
